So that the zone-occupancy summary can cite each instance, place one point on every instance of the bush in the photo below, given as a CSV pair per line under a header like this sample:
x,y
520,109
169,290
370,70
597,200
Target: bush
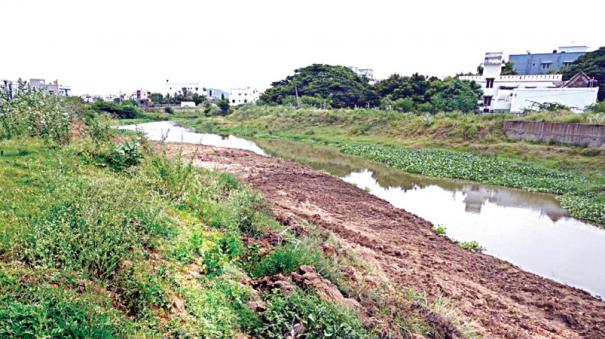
x,y
119,110
472,245
320,319
95,231
125,155
403,105
168,110
284,259
31,113
45,312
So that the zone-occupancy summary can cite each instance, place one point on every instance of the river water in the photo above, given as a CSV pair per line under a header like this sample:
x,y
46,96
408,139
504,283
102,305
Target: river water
x,y
530,230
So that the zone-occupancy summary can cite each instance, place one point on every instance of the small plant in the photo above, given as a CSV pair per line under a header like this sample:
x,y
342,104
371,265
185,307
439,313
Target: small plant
x,y
168,110
125,155
472,245
440,229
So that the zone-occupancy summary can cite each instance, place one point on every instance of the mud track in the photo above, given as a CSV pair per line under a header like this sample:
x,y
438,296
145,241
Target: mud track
x,y
505,301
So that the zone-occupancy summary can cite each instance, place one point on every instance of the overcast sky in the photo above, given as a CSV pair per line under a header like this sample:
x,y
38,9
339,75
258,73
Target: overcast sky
x,y
107,46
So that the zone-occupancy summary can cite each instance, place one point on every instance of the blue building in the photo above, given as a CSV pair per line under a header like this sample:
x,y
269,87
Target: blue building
x,y
544,63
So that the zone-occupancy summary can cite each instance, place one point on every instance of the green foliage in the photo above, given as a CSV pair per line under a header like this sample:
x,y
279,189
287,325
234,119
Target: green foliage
x,y
96,230
463,165
440,229
508,68
319,318
223,105
403,105
125,155
591,63
140,288
425,94
284,259
41,311
168,110
124,110
472,245
337,86
32,113
456,95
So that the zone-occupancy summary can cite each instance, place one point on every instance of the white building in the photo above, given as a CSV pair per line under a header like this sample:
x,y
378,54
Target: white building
x,y
517,93
239,96
212,94
12,86
366,72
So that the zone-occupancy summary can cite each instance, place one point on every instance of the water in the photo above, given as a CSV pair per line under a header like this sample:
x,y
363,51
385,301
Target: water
x,y
171,132
530,230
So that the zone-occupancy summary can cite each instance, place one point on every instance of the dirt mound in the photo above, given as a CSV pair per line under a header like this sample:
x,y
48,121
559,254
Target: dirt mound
x,y
503,300
308,278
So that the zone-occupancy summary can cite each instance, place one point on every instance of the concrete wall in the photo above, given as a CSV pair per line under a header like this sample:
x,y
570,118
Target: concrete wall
x,y
577,134
576,99
532,63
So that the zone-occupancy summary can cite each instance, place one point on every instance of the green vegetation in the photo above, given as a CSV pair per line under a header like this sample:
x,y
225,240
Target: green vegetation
x,y
328,86
453,145
591,63
440,230
332,86
105,236
472,245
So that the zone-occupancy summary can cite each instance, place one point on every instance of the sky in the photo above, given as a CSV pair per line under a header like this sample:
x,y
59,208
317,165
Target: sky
x,y
111,46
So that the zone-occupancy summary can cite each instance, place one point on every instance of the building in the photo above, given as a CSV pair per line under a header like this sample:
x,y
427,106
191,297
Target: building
x,y
12,86
141,96
212,94
239,96
518,93
544,63
365,72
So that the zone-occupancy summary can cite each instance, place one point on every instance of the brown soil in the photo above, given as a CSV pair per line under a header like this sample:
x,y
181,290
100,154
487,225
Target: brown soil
x,y
505,301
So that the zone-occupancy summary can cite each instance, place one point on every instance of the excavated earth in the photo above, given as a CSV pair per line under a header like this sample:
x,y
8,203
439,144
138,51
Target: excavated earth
x,y
503,300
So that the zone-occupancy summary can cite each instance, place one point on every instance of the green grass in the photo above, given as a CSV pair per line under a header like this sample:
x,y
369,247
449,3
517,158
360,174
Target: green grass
x,y
450,145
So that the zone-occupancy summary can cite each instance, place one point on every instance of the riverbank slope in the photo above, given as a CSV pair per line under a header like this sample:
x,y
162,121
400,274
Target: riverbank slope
x,y
504,300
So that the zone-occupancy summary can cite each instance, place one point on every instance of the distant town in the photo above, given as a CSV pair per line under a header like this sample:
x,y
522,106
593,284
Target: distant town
x,y
524,81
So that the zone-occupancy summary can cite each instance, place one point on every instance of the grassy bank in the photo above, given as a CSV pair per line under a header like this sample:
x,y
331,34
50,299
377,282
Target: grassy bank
x,y
106,236
455,145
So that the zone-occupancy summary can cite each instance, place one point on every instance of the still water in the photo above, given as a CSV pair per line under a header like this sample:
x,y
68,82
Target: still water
x,y
530,230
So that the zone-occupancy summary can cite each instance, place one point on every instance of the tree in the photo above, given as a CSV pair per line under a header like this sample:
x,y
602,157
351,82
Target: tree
x,y
591,63
453,94
508,68
224,106
338,85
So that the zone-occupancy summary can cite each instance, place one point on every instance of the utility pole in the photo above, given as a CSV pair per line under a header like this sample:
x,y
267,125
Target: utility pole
x,y
297,98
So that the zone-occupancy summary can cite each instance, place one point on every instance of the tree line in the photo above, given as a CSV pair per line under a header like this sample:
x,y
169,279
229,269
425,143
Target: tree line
x,y
330,86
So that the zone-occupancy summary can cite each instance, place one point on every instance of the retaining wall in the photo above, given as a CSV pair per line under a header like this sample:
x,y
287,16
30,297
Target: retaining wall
x,y
576,134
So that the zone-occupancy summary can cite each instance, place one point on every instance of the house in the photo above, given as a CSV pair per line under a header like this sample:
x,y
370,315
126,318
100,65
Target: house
x,y
141,96
212,94
247,95
364,72
544,63
517,93
40,84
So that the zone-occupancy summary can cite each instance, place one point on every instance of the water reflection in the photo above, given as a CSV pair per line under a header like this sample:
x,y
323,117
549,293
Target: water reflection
x,y
171,132
528,229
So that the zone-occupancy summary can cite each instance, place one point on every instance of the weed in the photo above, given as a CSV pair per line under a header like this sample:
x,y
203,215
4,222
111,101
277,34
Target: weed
x,y
440,229
471,245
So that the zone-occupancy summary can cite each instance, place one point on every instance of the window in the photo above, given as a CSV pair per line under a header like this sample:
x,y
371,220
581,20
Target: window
x,y
487,100
490,83
545,64
567,63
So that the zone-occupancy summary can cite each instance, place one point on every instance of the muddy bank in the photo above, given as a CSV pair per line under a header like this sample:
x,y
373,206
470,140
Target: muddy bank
x,y
503,300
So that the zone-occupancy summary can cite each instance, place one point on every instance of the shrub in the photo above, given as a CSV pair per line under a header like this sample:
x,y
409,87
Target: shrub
x,y
319,318
403,105
472,245
284,259
31,113
140,288
125,155
125,110
440,229
168,110
95,230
